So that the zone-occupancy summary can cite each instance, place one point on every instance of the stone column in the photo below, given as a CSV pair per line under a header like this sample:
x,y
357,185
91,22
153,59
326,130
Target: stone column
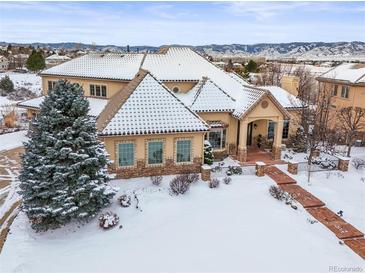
x,y
276,147
293,167
205,170
343,163
242,147
260,169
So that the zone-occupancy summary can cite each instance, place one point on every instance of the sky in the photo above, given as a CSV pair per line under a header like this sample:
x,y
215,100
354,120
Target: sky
x,y
185,23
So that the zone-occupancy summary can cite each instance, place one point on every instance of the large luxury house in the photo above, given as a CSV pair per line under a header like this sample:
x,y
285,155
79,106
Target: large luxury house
x,y
154,111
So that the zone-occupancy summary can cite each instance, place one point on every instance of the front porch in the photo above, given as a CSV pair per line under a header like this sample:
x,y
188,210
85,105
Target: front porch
x,y
254,155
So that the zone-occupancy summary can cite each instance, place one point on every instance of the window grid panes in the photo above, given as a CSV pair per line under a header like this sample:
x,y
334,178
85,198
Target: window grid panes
x,y
285,129
217,138
51,85
345,92
334,91
97,90
183,151
126,154
270,130
155,152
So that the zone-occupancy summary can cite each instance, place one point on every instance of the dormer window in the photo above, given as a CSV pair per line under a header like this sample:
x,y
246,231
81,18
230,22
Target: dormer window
x,y
176,89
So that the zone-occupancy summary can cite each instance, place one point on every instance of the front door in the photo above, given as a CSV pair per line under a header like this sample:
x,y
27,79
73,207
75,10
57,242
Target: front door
x,y
249,134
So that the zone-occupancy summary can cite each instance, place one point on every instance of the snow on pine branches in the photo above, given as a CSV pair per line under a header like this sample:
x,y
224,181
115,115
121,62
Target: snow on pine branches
x,y
64,168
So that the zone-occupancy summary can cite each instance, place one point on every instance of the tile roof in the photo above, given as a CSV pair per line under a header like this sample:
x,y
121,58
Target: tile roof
x,y
206,96
184,64
150,108
348,72
96,105
103,66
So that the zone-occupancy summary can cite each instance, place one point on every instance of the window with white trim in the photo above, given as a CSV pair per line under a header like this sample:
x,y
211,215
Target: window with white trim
x,y
51,85
126,154
345,91
98,90
155,152
217,138
183,151
271,130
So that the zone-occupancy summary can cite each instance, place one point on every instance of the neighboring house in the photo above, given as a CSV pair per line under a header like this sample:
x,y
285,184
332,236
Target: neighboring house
x,y
345,85
4,63
18,61
56,59
155,110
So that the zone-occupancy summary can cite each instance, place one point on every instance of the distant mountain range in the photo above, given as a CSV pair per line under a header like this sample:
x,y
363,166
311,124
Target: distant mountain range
x,y
295,49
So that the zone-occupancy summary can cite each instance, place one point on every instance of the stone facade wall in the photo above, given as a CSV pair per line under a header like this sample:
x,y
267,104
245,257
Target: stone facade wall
x,y
276,153
242,154
293,168
343,164
218,155
170,167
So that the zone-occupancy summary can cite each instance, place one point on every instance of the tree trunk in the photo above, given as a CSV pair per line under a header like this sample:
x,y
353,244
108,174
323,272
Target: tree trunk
x,y
349,145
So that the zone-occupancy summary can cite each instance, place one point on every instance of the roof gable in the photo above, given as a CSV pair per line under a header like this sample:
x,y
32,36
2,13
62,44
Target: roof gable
x,y
150,108
210,97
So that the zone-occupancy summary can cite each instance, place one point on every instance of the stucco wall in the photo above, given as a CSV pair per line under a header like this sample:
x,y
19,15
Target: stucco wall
x,y
111,86
183,86
140,144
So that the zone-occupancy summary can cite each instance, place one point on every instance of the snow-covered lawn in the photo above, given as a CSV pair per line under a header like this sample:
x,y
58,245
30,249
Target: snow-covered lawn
x,y
234,228
340,190
12,140
30,81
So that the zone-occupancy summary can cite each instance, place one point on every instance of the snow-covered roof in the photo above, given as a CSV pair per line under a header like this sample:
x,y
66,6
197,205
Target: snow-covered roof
x,y
184,64
58,57
206,96
102,66
96,105
150,108
286,99
348,72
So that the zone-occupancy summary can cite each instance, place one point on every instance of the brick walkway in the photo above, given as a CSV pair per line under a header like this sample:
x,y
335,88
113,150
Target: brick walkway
x,y
352,237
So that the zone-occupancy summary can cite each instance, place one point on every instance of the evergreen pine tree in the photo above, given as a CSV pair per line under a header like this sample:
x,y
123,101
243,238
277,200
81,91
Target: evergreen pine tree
x,y
35,61
64,168
6,85
298,141
208,153
251,66
246,75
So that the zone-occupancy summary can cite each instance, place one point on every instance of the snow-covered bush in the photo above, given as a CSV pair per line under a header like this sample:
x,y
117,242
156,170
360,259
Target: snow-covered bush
x,y
298,141
358,163
227,180
179,185
214,183
21,93
64,168
156,180
234,170
277,193
108,220
124,200
208,153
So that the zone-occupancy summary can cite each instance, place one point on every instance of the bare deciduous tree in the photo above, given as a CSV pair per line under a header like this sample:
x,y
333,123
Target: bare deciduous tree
x,y
351,120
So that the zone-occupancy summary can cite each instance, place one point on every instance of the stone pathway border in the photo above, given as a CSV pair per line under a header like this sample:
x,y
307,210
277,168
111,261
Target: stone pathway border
x,y
352,237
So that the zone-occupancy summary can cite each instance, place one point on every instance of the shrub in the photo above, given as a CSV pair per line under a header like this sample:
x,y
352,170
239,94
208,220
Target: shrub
x,y
125,200
108,220
214,183
277,193
156,180
208,153
179,185
234,170
227,180
358,163
191,178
